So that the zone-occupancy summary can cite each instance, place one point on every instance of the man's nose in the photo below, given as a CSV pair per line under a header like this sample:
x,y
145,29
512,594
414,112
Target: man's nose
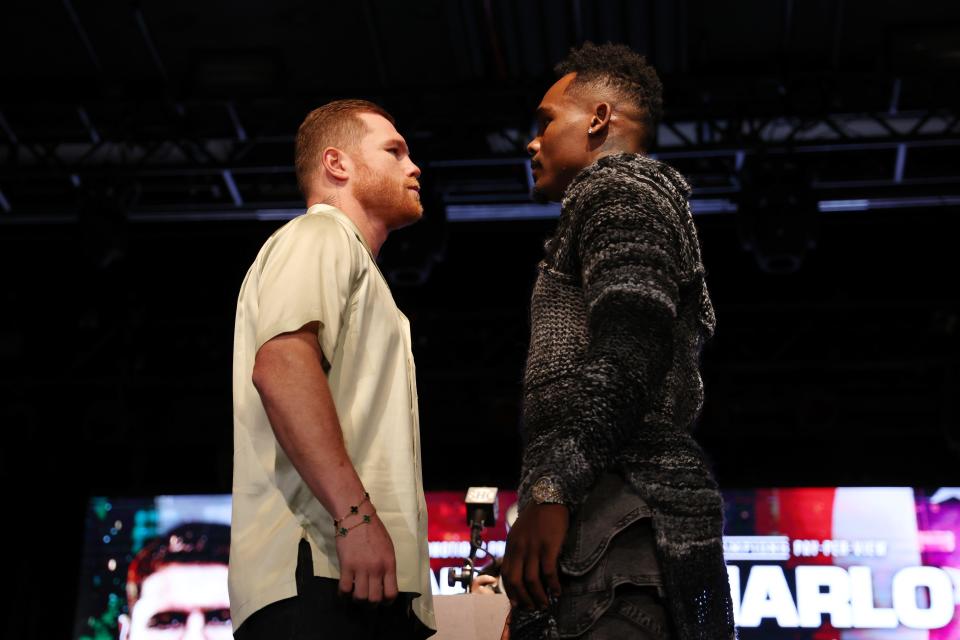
x,y
533,146
194,628
415,170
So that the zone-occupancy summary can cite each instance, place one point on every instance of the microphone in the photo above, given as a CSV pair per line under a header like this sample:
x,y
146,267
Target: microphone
x,y
482,506
481,512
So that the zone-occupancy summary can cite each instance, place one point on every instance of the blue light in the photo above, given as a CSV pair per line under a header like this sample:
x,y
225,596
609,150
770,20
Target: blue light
x,y
826,206
705,206
522,211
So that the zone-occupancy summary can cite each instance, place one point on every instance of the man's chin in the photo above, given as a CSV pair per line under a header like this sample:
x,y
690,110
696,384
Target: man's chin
x,y
545,190
407,217
541,197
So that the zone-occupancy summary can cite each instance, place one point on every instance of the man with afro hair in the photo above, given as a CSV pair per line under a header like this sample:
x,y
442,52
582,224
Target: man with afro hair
x,y
620,526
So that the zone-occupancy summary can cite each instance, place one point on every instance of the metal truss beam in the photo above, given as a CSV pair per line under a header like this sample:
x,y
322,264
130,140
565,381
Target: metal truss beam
x,y
228,160
854,131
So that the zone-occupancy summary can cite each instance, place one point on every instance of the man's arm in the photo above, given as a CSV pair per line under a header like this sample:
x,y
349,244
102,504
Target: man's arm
x,y
631,270
535,541
289,376
630,264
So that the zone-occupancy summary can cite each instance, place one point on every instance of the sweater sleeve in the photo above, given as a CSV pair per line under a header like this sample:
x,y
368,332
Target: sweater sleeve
x,y
629,254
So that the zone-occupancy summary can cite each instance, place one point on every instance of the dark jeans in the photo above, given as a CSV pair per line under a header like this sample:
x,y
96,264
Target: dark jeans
x,y
319,611
610,578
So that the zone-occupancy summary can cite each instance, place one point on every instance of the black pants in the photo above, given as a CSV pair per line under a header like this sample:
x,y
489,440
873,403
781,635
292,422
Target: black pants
x,y
319,611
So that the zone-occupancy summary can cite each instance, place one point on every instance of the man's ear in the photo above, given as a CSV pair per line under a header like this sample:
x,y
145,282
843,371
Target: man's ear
x,y
123,621
600,120
336,163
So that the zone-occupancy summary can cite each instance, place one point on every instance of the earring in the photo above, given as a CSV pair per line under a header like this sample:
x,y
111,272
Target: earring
x,y
590,131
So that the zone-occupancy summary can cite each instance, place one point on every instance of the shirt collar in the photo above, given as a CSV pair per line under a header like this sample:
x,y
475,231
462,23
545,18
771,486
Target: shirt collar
x,y
326,208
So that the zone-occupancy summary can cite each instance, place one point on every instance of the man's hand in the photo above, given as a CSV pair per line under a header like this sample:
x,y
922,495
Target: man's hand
x,y
483,584
530,562
368,563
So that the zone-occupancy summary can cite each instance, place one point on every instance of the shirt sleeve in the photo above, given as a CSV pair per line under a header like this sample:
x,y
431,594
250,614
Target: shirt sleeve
x,y
630,261
308,275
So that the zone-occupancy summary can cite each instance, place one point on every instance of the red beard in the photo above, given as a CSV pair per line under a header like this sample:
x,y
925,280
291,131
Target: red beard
x,y
391,199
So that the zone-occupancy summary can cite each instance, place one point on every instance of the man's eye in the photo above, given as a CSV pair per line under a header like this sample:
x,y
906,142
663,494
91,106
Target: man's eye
x,y
167,620
218,616
395,151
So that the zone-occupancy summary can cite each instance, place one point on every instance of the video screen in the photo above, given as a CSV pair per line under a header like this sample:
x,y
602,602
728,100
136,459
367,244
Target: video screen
x,y
844,562
152,566
804,563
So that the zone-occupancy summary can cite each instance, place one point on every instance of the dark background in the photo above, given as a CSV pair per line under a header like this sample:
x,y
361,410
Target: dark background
x,y
146,154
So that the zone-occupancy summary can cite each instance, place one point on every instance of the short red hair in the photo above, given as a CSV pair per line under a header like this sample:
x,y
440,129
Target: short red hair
x,y
335,124
190,543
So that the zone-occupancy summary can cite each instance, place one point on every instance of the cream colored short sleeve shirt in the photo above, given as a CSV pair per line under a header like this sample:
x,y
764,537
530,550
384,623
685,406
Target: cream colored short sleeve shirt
x,y
318,268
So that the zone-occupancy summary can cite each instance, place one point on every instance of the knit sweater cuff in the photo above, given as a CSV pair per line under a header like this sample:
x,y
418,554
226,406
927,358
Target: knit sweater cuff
x,y
562,460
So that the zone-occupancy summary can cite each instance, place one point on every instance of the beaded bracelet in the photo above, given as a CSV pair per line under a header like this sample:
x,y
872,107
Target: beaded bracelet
x,y
354,510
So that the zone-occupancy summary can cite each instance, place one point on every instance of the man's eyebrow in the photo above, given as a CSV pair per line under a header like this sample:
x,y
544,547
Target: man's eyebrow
x,y
166,614
397,141
543,112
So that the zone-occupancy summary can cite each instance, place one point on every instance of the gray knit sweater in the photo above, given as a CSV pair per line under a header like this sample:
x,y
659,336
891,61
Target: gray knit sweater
x,y
619,314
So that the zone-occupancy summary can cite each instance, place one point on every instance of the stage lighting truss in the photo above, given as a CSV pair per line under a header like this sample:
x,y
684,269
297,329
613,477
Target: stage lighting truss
x,y
202,161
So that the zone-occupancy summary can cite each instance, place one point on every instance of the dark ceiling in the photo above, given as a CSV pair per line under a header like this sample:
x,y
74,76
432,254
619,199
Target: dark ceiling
x,y
146,154
188,109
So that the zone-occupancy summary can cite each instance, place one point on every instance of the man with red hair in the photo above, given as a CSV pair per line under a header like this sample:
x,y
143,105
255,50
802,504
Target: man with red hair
x,y
329,515
177,586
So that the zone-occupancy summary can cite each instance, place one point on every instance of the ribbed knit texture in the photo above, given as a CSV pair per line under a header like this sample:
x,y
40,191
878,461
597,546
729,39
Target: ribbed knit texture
x,y
619,314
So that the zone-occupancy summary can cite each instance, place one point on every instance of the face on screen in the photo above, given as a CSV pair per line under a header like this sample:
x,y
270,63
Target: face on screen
x,y
183,601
